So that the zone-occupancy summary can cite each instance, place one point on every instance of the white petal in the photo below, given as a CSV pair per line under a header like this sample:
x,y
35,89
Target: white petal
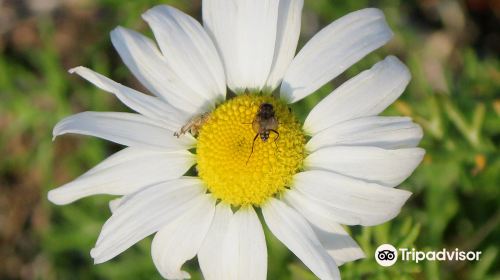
x,y
125,172
333,50
114,204
190,52
149,106
144,213
381,166
123,128
244,33
367,94
339,245
244,251
287,37
346,200
181,239
296,233
210,255
150,67
382,132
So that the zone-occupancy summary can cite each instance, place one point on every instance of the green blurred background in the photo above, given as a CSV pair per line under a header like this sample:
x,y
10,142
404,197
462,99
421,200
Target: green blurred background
x,y
451,47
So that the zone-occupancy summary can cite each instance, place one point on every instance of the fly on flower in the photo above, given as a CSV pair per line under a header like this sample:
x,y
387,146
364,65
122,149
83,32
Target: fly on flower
x,y
340,167
193,126
263,124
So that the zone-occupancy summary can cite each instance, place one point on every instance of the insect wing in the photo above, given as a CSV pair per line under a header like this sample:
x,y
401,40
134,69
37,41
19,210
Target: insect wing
x,y
256,125
271,123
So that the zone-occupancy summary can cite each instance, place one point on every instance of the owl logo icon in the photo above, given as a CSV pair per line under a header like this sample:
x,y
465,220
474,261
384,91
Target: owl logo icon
x,y
386,255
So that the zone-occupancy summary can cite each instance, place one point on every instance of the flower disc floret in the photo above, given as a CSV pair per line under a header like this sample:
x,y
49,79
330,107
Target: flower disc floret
x,y
226,163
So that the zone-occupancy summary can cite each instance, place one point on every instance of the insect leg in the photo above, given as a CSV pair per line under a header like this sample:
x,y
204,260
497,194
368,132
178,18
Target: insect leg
x,y
277,134
277,137
253,144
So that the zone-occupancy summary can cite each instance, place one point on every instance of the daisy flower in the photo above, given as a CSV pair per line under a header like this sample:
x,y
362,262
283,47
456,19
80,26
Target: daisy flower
x,y
251,153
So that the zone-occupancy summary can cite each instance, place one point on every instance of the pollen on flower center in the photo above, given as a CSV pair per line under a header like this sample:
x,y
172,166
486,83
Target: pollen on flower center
x,y
225,160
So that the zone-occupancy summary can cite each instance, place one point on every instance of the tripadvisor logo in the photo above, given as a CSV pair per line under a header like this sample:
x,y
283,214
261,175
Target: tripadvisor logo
x,y
387,255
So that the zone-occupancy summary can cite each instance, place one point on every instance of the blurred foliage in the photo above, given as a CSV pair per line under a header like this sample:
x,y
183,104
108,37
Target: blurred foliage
x,y
451,47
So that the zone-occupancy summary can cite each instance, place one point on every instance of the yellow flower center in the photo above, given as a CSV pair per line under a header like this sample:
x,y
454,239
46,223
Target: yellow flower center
x,y
226,163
